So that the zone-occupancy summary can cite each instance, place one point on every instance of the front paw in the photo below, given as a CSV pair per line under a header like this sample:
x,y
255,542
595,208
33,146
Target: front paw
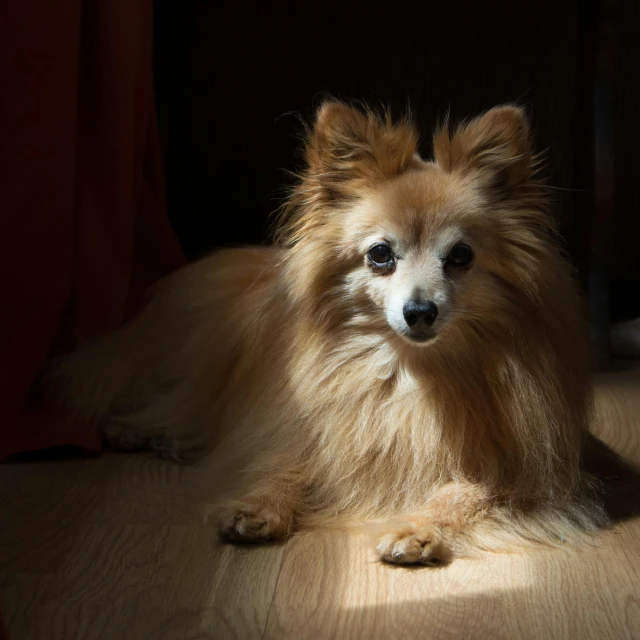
x,y
248,522
413,545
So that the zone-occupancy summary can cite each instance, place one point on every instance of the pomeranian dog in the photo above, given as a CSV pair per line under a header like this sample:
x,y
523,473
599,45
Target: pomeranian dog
x,y
411,353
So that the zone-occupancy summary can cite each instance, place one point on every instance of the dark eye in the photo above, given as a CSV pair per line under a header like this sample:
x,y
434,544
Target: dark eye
x,y
380,255
460,256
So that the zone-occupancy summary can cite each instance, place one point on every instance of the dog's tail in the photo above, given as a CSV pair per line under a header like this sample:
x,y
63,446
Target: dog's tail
x,y
116,385
89,383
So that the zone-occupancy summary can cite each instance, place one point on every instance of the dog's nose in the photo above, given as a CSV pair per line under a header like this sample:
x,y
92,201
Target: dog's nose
x,y
417,314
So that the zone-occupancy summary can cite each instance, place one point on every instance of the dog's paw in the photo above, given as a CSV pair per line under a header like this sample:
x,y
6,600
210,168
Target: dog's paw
x,y
246,522
413,546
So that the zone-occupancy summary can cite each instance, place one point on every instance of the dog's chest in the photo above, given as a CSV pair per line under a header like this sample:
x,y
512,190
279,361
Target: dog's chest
x,y
387,416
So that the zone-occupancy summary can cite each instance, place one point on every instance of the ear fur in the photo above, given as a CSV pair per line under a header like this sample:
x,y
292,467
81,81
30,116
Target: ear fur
x,y
496,147
348,147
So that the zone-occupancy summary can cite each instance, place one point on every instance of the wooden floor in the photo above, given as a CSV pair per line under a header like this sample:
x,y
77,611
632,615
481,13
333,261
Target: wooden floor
x,y
113,548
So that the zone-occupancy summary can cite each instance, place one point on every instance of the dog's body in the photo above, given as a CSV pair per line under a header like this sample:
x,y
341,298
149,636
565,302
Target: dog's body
x,y
412,353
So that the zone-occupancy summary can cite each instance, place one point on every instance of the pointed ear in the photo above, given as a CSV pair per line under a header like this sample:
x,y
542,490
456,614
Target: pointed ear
x,y
496,147
348,147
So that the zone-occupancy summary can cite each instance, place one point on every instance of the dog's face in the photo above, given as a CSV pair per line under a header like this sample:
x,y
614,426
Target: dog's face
x,y
421,253
413,247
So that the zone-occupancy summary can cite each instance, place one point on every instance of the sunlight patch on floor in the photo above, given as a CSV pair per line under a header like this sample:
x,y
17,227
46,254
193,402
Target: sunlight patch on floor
x,y
364,581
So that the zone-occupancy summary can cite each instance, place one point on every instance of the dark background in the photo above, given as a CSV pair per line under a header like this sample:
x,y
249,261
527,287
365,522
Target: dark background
x,y
233,79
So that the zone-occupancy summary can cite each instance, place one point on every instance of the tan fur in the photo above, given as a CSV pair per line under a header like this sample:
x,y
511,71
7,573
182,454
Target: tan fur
x,y
280,364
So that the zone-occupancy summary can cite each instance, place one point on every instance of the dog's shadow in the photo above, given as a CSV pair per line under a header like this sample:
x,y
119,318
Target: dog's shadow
x,y
618,480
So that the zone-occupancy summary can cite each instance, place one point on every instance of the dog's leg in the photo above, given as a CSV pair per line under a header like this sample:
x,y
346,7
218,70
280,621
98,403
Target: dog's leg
x,y
267,512
433,536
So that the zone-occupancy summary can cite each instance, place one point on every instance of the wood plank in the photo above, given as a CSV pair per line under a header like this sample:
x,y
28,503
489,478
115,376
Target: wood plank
x,y
331,587
118,551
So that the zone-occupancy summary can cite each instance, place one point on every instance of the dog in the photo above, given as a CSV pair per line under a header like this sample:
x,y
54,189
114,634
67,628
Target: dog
x,y
411,353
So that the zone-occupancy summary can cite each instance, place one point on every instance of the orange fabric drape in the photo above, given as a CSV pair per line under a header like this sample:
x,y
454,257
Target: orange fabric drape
x,y
83,223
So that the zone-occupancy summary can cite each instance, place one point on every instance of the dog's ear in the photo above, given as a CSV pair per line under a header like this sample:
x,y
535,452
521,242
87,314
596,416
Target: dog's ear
x,y
496,147
348,147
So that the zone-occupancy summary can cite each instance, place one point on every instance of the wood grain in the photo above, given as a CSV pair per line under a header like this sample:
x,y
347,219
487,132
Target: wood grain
x,y
337,590
116,547
112,548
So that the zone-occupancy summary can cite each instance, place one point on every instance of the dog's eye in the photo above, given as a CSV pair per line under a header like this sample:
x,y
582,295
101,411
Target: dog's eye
x,y
380,255
460,256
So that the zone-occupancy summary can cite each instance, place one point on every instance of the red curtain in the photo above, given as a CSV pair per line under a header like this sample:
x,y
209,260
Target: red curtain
x,y
83,223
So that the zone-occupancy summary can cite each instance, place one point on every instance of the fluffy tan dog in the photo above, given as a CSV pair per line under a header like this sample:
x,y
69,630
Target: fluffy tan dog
x,y
411,353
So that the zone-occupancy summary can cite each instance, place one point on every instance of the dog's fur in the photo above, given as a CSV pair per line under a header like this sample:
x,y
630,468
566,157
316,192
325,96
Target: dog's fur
x,y
296,360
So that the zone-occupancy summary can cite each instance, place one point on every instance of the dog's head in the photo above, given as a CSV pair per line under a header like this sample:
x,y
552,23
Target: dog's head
x,y
384,240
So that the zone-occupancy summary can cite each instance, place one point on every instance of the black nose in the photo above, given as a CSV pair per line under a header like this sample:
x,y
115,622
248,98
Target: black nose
x,y
417,314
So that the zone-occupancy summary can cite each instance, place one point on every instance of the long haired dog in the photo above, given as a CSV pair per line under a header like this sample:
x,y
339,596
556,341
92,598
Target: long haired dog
x,y
411,353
